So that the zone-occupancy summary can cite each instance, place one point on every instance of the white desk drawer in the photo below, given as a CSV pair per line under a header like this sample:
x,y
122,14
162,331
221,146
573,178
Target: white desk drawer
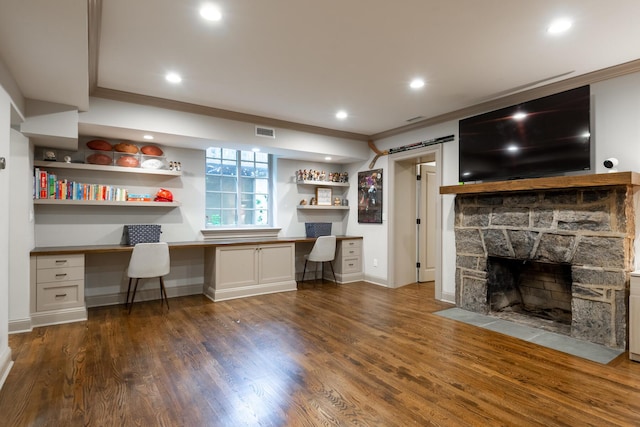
x,y
351,265
59,261
56,296
350,252
351,243
63,274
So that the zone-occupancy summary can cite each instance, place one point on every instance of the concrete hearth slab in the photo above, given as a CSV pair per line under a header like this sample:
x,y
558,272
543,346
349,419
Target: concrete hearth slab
x,y
586,350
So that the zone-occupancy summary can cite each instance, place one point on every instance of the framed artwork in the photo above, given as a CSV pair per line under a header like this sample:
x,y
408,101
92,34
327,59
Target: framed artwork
x,y
370,196
323,196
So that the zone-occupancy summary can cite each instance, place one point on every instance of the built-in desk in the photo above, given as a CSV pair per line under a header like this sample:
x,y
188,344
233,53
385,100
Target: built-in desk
x,y
233,268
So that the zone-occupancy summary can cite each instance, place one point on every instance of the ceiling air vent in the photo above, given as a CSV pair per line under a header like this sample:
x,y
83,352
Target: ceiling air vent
x,y
414,119
265,132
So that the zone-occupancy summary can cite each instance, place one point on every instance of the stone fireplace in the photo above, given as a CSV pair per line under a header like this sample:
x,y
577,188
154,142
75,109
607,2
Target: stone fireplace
x,y
561,246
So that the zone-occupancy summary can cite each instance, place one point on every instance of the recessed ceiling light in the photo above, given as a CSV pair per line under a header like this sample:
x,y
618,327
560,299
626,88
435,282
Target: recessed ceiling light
x,y
512,148
416,83
559,26
519,116
342,115
210,12
255,149
173,77
328,158
148,137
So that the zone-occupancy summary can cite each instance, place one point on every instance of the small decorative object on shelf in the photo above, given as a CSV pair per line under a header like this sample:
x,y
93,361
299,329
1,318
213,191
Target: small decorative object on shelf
x,y
321,176
336,201
313,202
49,155
303,202
163,195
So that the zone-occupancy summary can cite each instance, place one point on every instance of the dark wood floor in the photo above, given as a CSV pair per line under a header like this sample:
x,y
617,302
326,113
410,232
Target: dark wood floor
x,y
325,355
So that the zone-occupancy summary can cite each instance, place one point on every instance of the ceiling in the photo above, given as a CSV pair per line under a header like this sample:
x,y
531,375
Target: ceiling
x,y
301,61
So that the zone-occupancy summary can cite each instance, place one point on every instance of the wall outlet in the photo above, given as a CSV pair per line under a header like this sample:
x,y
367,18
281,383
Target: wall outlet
x,y
375,262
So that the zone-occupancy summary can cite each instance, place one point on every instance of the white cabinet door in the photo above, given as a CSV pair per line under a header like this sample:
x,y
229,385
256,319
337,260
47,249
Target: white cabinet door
x,y
276,263
236,266
634,327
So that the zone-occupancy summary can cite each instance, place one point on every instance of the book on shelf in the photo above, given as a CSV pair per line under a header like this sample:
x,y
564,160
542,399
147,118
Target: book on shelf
x,y
48,186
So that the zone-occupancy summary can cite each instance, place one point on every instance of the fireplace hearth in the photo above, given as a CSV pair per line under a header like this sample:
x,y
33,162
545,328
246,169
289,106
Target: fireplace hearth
x,y
550,257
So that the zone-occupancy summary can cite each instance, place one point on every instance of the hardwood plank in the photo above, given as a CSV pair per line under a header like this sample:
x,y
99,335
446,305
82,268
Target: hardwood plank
x,y
355,354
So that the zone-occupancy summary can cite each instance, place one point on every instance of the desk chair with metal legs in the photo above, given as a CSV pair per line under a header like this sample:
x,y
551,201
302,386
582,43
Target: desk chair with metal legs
x,y
148,260
324,250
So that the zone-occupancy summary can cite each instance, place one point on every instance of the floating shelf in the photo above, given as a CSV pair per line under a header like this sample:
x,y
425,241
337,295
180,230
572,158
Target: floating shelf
x,y
316,207
86,166
324,183
103,203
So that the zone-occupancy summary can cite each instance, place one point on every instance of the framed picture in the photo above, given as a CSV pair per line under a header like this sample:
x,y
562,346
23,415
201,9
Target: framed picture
x,y
323,196
370,196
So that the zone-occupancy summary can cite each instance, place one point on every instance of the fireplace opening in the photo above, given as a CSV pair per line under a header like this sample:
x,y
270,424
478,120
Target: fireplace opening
x,y
534,293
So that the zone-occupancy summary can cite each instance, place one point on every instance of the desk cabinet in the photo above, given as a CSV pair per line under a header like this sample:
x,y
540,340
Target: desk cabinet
x,y
57,288
248,270
348,261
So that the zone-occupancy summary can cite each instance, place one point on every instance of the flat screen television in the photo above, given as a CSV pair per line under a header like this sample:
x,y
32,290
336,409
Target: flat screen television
x,y
548,136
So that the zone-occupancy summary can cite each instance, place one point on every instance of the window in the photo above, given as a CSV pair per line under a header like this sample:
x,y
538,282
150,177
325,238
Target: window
x,y
238,186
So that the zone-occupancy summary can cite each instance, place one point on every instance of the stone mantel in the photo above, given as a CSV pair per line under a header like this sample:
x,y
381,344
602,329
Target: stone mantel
x,y
549,183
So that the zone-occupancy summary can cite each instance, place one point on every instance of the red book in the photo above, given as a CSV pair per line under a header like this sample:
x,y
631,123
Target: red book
x,y
44,185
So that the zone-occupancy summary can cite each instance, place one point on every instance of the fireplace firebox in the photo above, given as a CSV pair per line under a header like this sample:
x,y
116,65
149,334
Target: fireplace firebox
x,y
535,293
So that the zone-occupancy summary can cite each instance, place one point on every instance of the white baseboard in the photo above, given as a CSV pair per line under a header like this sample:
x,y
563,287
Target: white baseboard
x,y
448,297
20,325
250,291
376,280
5,365
67,315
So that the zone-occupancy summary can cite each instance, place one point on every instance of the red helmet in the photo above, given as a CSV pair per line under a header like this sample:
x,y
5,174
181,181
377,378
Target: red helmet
x,y
163,195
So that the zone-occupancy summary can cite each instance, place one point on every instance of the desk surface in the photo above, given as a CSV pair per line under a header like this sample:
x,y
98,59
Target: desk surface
x,y
85,249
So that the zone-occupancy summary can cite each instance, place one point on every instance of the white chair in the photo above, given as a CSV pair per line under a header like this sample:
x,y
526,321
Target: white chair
x,y
324,250
148,260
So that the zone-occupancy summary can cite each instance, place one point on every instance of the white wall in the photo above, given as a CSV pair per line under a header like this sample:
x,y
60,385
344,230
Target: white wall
x,y
21,237
5,123
289,194
616,128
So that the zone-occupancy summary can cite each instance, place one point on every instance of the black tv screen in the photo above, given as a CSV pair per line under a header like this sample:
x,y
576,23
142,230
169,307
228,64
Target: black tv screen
x,y
544,137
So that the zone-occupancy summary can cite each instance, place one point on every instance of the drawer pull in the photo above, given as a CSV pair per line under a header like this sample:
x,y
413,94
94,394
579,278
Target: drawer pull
x,y
61,261
61,274
351,265
61,295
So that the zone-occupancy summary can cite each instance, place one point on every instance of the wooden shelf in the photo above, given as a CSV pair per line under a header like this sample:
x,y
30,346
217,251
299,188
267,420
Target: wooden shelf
x,y
86,166
67,202
324,183
316,207
550,183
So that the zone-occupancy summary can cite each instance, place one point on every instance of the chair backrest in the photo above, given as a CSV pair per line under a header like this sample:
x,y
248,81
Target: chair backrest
x,y
149,260
324,249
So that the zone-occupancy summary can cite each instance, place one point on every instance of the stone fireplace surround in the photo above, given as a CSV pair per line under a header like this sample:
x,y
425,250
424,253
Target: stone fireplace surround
x,y
585,221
